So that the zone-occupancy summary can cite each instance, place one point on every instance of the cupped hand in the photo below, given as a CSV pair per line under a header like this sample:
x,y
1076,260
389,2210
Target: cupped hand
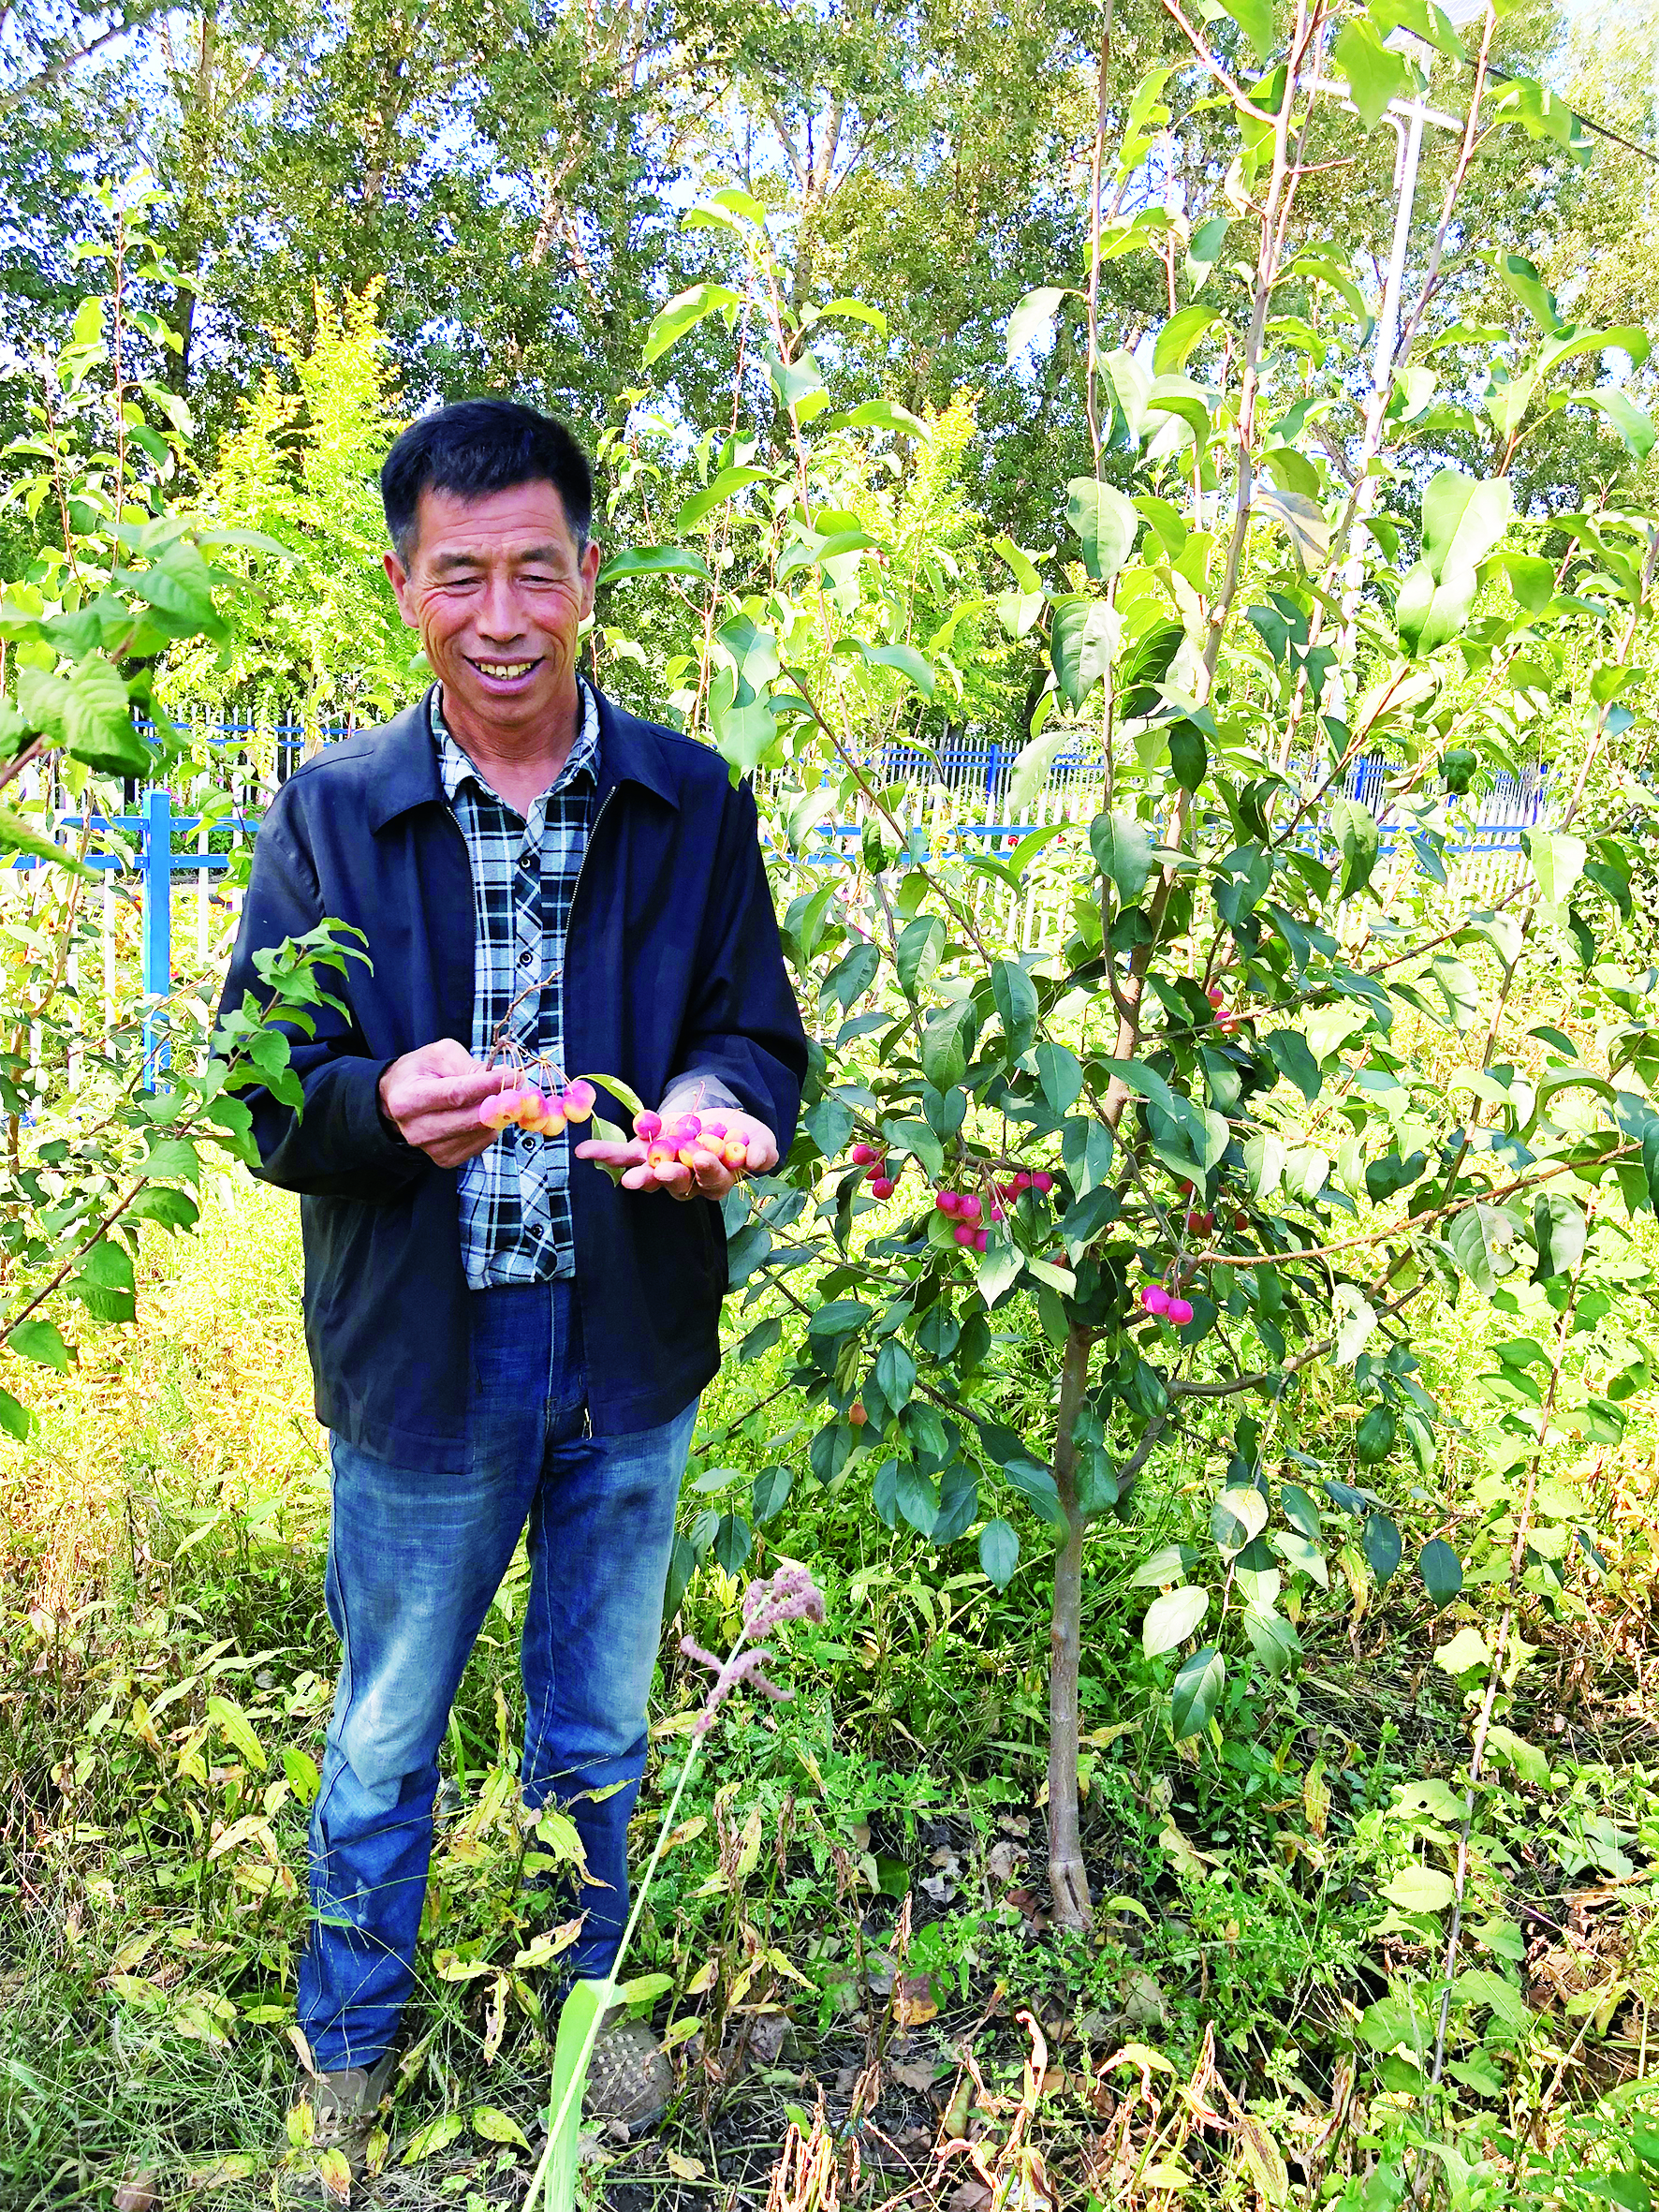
x,y
705,1176
433,1096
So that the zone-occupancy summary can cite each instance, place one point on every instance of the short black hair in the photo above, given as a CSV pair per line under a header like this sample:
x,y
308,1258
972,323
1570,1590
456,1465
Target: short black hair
x,y
479,446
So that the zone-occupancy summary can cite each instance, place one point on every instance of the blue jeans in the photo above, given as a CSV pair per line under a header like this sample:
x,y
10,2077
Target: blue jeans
x,y
413,1561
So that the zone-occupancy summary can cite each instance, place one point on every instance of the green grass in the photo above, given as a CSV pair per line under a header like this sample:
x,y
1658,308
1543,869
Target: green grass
x,y
164,1530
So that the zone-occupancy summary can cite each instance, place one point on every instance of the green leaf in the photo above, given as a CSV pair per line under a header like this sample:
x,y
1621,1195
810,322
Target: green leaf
x,y
1188,757
1080,645
1171,1618
730,1548
1123,850
1473,1247
1034,315
1036,763
916,1498
1195,1692
1463,518
1420,1889
1255,18
1382,1545
684,311
237,1731
919,950
97,721
495,2126
999,1552
1558,862
17,837
1441,1570
906,659
435,2136
770,1493
653,560
1375,74
1105,521
1290,1055
40,1340
1302,520
1272,1639
1238,1517
943,1045
895,1374
1467,1650
1177,339
178,584
15,1417
1357,835
1559,1233
1015,999
1061,1077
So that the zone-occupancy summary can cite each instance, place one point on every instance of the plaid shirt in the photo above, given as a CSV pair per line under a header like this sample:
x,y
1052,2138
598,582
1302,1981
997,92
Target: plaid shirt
x,y
514,1198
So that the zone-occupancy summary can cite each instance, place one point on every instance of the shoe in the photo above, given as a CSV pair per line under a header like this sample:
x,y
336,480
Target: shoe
x,y
344,2107
629,2078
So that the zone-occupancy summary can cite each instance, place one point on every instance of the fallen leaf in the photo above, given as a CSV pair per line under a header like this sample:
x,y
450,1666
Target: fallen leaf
x,y
916,2075
973,2196
498,2127
913,2001
683,2169
1000,1861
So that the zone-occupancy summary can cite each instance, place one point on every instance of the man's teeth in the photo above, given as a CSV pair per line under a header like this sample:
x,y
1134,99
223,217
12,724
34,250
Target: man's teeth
x,y
505,669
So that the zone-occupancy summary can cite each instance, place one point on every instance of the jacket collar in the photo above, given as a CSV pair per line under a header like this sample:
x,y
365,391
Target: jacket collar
x,y
407,776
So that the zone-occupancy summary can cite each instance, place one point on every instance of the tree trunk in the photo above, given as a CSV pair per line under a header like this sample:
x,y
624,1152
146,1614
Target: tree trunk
x,y
1067,1882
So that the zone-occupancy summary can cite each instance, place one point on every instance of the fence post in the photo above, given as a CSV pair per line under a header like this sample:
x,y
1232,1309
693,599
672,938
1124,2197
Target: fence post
x,y
155,861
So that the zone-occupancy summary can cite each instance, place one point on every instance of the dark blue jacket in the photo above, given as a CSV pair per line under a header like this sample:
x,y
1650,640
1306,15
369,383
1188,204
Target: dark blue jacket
x,y
672,965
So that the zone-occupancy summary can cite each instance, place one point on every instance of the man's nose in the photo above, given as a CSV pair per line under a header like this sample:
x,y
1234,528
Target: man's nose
x,y
500,617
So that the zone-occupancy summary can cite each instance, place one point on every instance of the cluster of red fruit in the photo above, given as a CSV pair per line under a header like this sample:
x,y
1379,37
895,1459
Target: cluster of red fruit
x,y
882,1184
1202,1223
529,1108
1156,1300
1226,1024
688,1138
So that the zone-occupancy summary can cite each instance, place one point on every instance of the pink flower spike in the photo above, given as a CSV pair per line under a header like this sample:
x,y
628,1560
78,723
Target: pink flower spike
x,y
1154,1298
1179,1312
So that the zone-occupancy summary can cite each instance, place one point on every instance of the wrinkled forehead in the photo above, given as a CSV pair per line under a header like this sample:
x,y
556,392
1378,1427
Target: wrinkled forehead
x,y
519,528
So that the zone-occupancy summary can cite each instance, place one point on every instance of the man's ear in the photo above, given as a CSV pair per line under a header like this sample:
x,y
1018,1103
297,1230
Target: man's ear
x,y
398,577
590,571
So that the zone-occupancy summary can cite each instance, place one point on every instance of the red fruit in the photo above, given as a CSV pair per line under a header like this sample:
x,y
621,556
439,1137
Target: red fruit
x,y
1241,1220
580,1100
1023,1181
1214,995
735,1153
1154,1298
864,1156
968,1208
981,1240
1042,1181
660,1155
962,1234
947,1202
1180,1313
1186,1190
857,1414
647,1126
882,1187
1206,1223
713,1125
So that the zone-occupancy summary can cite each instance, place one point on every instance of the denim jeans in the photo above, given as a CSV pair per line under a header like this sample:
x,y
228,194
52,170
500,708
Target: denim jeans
x,y
415,1559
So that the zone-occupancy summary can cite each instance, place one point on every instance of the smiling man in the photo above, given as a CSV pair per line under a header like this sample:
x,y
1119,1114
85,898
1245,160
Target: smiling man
x,y
501,1338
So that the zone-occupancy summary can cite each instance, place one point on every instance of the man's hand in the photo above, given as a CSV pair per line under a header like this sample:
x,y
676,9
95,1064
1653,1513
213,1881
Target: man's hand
x,y
706,1177
434,1097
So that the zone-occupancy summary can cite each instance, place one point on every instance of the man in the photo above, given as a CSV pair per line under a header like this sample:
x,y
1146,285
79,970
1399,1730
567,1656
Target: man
x,y
501,1337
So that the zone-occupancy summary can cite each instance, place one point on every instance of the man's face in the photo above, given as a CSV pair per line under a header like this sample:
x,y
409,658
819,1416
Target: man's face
x,y
499,592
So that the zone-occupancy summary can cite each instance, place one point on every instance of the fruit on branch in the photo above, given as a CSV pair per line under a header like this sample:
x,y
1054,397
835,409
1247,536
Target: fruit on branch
x,y
579,1100
864,1156
882,1187
1154,1298
1179,1312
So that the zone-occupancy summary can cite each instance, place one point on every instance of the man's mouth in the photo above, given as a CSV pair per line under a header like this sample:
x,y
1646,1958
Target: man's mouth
x,y
504,672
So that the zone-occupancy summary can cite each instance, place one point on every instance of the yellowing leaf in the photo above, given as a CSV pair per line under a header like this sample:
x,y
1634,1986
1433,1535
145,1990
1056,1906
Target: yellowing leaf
x,y
498,2127
436,2135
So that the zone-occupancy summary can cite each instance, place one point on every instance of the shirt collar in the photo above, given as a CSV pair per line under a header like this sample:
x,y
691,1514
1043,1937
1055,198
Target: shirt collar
x,y
455,765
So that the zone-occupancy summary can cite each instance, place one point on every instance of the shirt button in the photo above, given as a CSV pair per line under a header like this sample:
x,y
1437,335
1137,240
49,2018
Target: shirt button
x,y
526,959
